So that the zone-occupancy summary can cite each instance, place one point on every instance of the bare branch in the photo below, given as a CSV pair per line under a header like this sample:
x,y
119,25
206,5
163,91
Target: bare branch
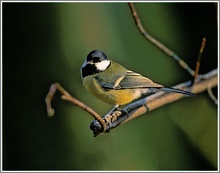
x,y
67,97
155,101
156,42
209,80
199,58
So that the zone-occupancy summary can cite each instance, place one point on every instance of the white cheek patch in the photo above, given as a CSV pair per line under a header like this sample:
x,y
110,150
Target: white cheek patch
x,y
102,65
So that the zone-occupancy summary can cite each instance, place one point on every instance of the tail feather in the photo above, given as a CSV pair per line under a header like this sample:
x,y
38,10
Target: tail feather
x,y
178,91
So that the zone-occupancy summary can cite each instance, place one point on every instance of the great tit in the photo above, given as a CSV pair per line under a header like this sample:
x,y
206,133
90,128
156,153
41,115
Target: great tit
x,y
114,84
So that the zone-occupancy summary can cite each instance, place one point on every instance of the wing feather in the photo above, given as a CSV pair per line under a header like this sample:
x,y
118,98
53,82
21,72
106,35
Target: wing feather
x,y
134,80
130,80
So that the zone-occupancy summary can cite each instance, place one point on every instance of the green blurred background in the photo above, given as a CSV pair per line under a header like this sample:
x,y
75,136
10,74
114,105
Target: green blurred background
x,y
45,43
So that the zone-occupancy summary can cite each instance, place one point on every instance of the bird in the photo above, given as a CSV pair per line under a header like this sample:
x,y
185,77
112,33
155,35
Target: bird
x,y
116,85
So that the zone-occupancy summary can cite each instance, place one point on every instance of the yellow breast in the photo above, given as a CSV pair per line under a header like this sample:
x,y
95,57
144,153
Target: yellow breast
x,y
119,97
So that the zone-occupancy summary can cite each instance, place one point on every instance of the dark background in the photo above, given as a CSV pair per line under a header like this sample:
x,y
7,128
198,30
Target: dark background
x,y
45,43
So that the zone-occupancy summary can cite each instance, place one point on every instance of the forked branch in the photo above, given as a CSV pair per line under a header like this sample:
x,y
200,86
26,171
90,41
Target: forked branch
x,y
156,42
67,97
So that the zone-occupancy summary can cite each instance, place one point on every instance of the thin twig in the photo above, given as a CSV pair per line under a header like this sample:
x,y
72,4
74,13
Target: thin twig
x,y
156,42
199,58
67,97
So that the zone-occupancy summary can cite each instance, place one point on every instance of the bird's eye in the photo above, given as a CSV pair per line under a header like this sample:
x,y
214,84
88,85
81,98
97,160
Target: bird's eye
x,y
96,59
